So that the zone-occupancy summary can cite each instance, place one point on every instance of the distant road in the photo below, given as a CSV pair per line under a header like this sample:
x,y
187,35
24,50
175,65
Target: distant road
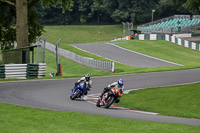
x,y
124,56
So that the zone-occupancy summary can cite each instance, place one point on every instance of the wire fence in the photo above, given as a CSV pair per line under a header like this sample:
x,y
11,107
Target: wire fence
x,y
41,42
90,62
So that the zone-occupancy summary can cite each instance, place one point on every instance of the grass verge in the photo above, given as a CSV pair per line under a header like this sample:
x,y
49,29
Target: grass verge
x,y
17,119
164,50
180,101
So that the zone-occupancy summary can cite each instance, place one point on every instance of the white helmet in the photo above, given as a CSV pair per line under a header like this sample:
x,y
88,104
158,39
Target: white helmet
x,y
120,82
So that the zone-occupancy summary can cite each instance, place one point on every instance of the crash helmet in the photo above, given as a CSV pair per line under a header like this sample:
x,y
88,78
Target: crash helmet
x,y
87,77
120,82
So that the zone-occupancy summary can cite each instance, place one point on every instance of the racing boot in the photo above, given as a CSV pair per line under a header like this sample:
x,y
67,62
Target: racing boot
x,y
101,95
85,93
117,100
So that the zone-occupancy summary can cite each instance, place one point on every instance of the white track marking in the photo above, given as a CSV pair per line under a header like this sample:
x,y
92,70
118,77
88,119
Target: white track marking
x,y
92,98
127,91
96,54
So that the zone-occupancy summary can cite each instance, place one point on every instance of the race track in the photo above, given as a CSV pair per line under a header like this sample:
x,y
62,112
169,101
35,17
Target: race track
x,y
54,94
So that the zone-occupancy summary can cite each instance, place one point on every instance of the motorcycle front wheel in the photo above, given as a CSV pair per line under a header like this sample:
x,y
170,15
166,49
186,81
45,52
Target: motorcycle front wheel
x,y
109,101
75,95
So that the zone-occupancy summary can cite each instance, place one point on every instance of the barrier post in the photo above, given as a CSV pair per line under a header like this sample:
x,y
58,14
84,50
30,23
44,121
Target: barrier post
x,y
61,74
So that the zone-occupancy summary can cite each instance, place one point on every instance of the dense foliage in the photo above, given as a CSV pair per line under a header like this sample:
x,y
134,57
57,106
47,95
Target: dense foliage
x,y
7,29
114,11
48,12
19,21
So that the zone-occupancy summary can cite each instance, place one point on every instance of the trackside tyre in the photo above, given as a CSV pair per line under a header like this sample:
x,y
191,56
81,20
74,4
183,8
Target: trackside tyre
x,y
109,102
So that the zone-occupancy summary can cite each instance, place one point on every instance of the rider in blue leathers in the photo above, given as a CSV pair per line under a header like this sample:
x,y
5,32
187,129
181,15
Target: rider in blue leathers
x,y
84,84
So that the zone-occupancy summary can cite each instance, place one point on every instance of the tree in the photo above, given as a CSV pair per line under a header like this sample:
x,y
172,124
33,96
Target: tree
x,y
7,29
98,9
53,15
21,7
190,5
165,9
136,11
193,5
84,9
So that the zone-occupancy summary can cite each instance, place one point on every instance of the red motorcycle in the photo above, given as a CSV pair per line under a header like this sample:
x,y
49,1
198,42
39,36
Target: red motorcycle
x,y
109,98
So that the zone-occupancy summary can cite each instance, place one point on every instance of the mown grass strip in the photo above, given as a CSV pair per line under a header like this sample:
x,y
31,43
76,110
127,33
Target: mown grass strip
x,y
17,119
82,33
180,101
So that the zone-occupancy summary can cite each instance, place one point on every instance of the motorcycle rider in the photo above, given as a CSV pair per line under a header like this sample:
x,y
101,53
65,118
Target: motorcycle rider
x,y
117,85
87,80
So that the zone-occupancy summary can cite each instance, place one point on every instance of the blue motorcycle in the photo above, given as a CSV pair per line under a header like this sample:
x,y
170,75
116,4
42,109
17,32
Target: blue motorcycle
x,y
79,90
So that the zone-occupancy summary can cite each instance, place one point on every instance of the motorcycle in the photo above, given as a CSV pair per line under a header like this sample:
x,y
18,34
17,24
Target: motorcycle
x,y
79,90
109,98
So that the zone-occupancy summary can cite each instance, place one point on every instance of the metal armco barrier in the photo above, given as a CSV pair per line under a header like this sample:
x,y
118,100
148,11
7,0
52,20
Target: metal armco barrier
x,y
184,43
36,70
13,71
150,37
22,71
90,62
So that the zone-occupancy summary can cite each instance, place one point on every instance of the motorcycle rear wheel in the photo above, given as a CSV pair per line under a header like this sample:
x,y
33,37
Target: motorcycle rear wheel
x,y
109,102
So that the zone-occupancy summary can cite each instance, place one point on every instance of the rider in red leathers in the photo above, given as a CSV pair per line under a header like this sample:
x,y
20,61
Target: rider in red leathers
x,y
117,85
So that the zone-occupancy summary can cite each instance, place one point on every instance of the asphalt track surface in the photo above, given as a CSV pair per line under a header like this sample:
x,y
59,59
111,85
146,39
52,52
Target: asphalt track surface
x,y
122,55
55,94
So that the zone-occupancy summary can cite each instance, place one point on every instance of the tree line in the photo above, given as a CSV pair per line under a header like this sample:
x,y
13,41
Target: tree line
x,y
112,11
22,20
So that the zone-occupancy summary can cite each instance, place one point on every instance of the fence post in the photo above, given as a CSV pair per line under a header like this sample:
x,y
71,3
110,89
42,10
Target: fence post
x,y
57,58
113,66
38,41
80,59
41,42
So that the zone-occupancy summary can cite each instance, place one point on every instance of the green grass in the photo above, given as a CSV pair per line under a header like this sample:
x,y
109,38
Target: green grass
x,y
70,68
175,101
82,34
160,49
17,119
196,36
164,50
180,101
